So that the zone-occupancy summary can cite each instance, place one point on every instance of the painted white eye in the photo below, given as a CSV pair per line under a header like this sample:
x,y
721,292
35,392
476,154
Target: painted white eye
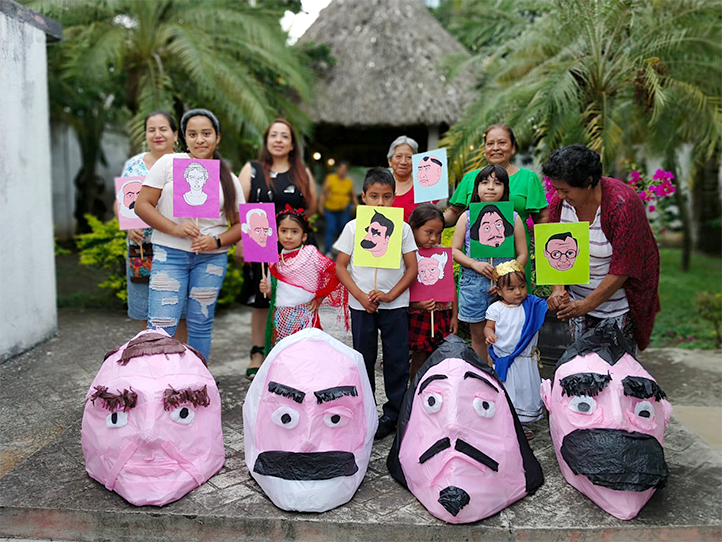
x,y
583,404
285,417
644,409
116,420
484,407
433,402
334,419
183,415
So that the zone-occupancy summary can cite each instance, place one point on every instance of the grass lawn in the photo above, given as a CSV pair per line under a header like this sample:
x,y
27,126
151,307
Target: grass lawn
x,y
678,323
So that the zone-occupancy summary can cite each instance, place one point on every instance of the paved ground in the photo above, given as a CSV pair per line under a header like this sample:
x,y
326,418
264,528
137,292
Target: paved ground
x,y
46,494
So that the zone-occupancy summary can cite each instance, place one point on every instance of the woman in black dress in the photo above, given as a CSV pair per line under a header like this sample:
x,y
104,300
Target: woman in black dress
x,y
281,178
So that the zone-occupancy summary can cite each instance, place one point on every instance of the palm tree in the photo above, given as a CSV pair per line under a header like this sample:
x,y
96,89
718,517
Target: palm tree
x,y
226,55
604,73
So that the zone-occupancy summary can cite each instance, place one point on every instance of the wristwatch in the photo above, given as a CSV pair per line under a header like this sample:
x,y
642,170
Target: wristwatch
x,y
218,241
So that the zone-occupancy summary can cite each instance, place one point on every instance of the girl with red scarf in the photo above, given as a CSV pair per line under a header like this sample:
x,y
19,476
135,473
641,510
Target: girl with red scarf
x,y
302,280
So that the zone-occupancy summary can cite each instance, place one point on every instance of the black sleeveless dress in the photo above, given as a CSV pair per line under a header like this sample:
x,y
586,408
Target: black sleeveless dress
x,y
281,193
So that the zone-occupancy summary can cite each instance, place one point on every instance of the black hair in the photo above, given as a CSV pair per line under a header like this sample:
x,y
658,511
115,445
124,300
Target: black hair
x,y
379,175
301,220
487,209
574,165
164,114
383,221
508,130
501,176
560,237
505,280
229,190
423,213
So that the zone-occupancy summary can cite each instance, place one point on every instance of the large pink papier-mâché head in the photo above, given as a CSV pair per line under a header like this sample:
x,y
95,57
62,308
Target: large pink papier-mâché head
x,y
607,417
309,420
152,422
459,447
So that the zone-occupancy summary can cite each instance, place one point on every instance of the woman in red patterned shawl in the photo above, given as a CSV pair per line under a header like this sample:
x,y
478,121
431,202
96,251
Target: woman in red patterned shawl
x,y
624,259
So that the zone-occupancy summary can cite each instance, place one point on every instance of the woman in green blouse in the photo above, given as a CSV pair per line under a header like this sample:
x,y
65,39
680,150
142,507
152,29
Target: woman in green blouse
x,y
526,191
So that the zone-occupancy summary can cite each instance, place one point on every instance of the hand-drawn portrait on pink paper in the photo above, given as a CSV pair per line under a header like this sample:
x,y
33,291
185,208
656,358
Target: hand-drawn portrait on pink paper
x,y
126,193
258,232
435,278
196,188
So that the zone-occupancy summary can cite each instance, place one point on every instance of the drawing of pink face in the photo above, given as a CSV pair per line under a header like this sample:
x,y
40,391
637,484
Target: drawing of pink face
x,y
561,251
607,423
127,197
309,437
152,423
429,171
376,240
429,272
460,452
258,228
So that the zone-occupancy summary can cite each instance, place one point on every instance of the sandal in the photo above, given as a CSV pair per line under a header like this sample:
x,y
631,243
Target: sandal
x,y
251,371
528,433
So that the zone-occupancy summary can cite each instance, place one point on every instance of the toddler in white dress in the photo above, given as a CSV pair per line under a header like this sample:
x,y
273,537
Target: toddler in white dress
x,y
512,332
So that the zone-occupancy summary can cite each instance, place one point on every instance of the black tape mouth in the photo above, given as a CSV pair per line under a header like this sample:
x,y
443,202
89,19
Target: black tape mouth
x,y
453,499
616,459
306,466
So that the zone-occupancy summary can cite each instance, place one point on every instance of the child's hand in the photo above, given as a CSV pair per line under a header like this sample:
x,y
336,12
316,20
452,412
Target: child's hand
x,y
494,290
265,286
491,339
377,296
483,268
454,325
429,305
369,305
314,304
557,300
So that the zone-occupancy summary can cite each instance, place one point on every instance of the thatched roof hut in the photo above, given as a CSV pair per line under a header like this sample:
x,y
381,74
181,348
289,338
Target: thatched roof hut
x,y
388,78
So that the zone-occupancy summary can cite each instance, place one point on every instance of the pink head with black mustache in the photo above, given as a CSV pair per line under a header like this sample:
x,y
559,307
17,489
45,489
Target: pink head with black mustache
x,y
309,420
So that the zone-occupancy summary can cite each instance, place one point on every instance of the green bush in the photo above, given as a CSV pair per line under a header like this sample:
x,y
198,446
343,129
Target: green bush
x,y
105,247
709,307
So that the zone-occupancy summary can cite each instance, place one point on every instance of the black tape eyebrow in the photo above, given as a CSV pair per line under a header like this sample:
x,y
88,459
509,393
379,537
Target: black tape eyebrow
x,y
429,381
642,388
467,449
438,446
329,394
286,391
469,374
589,384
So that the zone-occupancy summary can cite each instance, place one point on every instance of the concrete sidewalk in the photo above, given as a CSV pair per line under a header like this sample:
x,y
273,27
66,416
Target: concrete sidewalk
x,y
46,494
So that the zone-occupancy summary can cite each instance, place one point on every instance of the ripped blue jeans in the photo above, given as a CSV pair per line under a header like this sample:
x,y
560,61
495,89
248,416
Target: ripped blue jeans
x,y
179,279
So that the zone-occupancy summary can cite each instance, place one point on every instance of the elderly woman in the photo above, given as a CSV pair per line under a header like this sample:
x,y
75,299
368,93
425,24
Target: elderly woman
x,y
525,189
624,260
399,155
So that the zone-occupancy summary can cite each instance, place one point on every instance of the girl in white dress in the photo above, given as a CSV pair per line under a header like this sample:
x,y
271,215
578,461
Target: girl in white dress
x,y
512,328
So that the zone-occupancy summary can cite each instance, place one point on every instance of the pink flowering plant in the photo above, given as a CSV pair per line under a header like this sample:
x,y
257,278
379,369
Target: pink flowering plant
x,y
653,193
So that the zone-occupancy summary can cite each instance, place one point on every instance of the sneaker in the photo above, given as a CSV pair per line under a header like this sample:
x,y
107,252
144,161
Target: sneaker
x,y
386,427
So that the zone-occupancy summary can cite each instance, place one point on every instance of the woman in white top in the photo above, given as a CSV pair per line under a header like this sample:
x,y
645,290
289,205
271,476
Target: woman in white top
x,y
189,261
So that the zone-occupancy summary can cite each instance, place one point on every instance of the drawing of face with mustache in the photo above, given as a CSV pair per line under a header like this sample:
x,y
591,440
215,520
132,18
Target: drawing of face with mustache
x,y
378,234
491,228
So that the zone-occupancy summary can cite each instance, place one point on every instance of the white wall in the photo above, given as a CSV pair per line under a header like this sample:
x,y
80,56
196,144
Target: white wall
x,y
27,264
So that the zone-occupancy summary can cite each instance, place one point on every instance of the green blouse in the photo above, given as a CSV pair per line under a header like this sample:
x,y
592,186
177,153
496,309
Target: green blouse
x,y
525,191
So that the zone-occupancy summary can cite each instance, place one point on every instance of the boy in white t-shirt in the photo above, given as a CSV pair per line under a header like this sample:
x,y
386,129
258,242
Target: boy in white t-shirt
x,y
383,308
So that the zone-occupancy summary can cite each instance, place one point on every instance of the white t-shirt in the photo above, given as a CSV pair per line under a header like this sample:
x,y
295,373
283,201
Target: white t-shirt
x,y
600,258
386,279
161,176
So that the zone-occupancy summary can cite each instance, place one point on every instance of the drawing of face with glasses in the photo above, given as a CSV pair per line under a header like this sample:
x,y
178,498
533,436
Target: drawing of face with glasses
x,y
561,250
257,226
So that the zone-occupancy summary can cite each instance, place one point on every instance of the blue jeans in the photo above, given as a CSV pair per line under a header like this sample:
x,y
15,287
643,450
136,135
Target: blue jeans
x,y
184,279
335,221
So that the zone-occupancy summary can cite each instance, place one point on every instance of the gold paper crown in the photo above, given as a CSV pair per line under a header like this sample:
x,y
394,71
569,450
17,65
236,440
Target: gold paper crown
x,y
506,268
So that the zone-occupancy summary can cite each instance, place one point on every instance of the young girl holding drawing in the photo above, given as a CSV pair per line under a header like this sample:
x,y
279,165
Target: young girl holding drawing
x,y
475,286
301,280
512,332
427,223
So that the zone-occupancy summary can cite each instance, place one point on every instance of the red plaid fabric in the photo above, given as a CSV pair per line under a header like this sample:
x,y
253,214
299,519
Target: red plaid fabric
x,y
420,329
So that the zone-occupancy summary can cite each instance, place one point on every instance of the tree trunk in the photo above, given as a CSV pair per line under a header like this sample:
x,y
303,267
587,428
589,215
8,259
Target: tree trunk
x,y
708,210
